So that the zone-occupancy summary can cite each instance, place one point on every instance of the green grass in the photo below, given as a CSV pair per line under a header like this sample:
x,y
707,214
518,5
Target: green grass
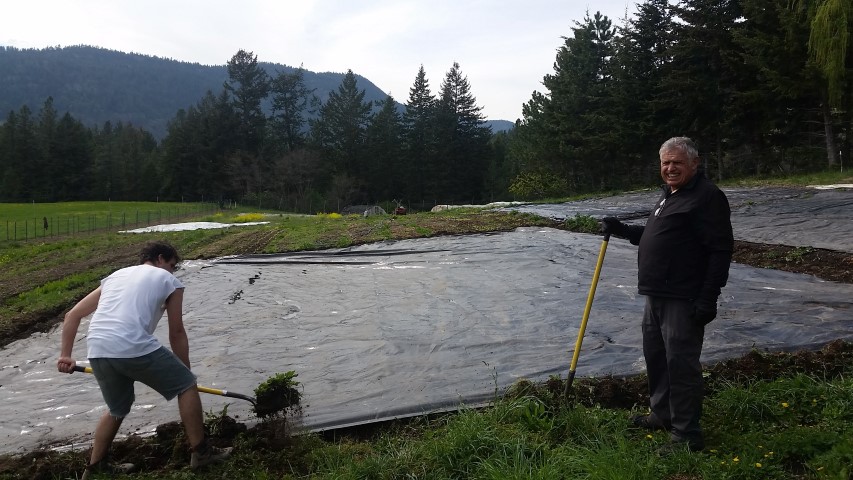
x,y
539,437
816,178
25,221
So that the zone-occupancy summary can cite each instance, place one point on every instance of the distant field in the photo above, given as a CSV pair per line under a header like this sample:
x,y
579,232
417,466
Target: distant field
x,y
24,221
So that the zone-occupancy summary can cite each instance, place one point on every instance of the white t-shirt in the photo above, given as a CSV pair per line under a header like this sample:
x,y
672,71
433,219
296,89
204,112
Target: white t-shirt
x,y
131,304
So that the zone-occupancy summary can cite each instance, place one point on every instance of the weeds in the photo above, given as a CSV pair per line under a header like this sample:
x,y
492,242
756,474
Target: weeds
x,y
797,254
249,217
583,224
277,395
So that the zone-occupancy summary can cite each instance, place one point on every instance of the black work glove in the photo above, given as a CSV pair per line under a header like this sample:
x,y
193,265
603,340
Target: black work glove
x,y
612,226
704,311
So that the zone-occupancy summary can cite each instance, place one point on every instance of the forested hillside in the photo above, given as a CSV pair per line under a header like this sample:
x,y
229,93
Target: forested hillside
x,y
764,87
97,85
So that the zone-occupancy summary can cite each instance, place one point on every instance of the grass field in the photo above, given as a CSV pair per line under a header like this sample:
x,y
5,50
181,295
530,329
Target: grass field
x,y
24,221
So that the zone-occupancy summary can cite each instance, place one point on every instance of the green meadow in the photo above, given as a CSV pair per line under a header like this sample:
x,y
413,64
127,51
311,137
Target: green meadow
x,y
24,221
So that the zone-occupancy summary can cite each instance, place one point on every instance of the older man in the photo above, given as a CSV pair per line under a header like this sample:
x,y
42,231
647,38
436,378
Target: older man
x,y
685,250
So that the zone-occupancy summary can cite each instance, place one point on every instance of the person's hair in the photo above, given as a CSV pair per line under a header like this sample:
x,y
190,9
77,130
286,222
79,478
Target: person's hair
x,y
152,250
684,144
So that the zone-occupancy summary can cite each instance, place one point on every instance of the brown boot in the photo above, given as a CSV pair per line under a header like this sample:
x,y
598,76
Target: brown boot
x,y
206,454
104,466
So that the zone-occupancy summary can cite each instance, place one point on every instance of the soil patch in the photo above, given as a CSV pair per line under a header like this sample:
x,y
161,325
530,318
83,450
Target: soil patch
x,y
824,264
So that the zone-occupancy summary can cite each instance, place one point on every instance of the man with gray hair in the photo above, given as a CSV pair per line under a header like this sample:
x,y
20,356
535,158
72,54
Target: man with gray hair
x,y
685,249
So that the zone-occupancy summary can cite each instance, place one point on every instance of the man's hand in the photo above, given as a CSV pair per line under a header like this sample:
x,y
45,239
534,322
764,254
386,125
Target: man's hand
x,y
704,312
66,364
612,226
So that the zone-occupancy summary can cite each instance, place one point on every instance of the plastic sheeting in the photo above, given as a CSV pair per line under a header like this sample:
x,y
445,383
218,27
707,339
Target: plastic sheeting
x,y
799,217
403,328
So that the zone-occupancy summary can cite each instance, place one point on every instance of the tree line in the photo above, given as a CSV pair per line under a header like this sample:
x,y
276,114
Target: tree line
x,y
763,86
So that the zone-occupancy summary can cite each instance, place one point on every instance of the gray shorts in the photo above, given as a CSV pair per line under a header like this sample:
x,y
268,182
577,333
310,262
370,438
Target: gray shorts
x,y
160,370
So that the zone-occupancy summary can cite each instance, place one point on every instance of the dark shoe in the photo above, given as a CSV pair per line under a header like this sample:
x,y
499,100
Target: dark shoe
x,y
104,466
693,444
648,422
207,455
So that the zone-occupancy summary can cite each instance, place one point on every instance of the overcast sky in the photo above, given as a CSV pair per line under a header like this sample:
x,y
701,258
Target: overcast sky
x,y
503,47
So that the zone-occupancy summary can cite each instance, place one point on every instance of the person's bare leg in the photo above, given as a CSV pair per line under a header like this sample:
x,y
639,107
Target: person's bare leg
x,y
189,405
105,433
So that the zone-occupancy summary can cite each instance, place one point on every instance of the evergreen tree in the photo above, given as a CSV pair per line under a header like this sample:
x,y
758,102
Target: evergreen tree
x,y
462,139
48,158
771,97
74,150
341,126
418,139
121,153
249,85
642,53
500,168
700,79
9,174
197,148
569,130
383,152
291,101
20,151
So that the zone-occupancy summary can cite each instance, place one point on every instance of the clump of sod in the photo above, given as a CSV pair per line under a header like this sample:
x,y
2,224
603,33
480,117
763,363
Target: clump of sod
x,y
277,394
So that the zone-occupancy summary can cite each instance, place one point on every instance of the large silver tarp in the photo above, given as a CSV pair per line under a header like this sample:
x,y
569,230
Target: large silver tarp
x,y
404,328
795,216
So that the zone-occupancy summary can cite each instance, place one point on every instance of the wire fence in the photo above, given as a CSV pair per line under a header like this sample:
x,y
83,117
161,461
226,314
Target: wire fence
x,y
80,224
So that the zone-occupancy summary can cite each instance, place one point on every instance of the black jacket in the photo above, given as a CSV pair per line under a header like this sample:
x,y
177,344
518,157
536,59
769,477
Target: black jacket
x,y
686,245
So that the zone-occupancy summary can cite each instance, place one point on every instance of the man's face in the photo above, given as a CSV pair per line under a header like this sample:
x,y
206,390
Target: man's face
x,y
676,169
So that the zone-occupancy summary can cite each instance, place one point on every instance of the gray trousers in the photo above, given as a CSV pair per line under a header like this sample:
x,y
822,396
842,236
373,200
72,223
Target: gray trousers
x,y
672,344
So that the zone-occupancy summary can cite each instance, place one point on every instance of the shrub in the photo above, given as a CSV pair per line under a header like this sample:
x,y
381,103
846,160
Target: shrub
x,y
537,185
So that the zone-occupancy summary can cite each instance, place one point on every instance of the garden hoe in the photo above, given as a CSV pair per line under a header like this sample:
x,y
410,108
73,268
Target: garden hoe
x,y
586,310
259,409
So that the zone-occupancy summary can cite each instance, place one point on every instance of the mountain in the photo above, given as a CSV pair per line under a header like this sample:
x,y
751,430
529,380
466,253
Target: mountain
x,y
500,125
96,85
